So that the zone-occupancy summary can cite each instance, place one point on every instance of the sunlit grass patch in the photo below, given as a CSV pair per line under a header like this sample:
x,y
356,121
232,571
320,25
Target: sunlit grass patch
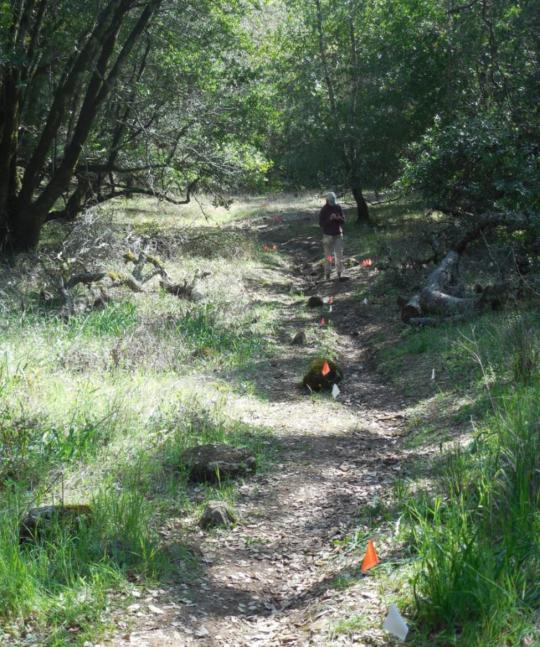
x,y
98,407
477,535
356,623
189,420
113,320
209,337
60,581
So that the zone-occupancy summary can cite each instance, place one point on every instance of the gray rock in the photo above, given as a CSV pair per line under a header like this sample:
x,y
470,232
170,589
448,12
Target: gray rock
x,y
40,521
216,462
217,514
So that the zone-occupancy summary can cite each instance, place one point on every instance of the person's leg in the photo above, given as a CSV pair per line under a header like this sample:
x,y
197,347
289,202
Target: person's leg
x,y
328,246
338,250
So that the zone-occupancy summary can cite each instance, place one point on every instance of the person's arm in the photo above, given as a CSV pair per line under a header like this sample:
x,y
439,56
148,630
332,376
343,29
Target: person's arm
x,y
323,217
340,216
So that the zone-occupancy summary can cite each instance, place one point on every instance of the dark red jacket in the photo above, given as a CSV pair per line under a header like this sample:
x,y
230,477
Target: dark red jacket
x,y
328,226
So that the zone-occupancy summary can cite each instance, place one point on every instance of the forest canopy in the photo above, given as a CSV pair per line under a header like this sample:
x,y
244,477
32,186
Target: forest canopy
x,y
171,97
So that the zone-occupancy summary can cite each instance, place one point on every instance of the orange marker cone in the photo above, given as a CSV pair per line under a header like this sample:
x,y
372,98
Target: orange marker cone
x,y
325,368
371,559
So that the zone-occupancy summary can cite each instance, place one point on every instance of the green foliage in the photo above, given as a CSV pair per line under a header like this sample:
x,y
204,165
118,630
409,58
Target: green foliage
x,y
482,151
97,410
62,580
184,113
356,82
477,164
209,336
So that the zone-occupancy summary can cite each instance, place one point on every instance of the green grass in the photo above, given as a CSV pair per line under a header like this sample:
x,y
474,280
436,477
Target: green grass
x,y
470,513
476,531
113,320
208,337
353,624
98,409
60,582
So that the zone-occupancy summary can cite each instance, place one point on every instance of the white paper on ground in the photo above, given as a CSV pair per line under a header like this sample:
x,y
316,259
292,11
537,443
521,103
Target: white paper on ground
x,y
335,391
330,309
432,374
395,624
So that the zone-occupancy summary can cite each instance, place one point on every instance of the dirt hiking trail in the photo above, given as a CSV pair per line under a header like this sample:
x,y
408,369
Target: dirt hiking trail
x,y
271,580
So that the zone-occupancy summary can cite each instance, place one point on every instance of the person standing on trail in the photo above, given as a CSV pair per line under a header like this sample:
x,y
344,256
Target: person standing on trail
x,y
331,221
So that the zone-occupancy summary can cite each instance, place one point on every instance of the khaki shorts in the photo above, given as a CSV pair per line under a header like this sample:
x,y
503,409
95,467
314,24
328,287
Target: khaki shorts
x,y
333,247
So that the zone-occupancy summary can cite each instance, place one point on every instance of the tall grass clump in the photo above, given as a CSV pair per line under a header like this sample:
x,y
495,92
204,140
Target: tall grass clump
x,y
58,581
478,539
209,335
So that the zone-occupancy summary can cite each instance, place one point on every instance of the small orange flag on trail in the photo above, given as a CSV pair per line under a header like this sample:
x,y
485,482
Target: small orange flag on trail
x,y
325,368
370,559
329,258
322,322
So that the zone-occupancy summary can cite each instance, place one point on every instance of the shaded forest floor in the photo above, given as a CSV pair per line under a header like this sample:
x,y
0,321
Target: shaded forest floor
x,y
111,396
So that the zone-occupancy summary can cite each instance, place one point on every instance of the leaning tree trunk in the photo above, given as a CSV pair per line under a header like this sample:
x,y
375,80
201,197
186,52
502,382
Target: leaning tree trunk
x,y
362,209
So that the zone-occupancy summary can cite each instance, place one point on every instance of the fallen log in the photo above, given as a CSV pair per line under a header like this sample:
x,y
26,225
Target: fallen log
x,y
434,297
182,290
409,308
437,302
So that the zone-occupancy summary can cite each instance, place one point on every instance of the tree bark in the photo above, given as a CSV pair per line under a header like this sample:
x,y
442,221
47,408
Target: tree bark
x,y
362,210
410,309
22,215
434,298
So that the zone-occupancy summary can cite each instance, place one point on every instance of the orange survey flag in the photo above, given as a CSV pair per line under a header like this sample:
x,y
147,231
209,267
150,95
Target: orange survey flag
x,y
325,368
371,559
